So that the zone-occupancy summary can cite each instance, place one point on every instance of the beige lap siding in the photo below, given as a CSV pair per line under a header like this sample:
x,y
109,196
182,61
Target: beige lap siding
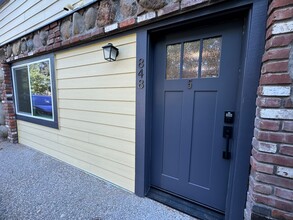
x,y
96,107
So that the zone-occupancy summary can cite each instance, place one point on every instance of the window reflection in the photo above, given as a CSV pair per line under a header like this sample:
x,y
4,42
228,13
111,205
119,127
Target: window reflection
x,y
190,59
173,61
41,89
23,92
211,56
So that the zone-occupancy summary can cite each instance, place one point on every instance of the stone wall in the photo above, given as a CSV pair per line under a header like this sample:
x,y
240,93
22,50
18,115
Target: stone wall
x,y
270,194
97,20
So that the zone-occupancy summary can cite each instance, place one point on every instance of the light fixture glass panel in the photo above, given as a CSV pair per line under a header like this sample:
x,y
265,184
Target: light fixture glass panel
x,y
107,52
113,54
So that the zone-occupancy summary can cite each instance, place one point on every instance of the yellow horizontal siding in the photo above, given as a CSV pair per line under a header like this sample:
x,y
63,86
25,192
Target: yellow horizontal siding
x,y
84,165
96,110
107,81
119,66
126,121
115,107
126,52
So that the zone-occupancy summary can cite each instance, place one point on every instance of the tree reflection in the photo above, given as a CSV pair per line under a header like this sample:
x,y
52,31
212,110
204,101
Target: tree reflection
x,y
190,59
173,61
211,56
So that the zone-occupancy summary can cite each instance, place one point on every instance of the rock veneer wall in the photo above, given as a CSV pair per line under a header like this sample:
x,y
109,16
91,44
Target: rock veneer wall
x,y
270,194
94,21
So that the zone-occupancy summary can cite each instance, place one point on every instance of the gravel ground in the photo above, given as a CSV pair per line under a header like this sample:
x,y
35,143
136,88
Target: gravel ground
x,y
37,186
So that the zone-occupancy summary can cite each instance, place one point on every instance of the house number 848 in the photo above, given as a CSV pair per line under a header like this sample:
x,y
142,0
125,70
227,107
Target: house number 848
x,y
140,73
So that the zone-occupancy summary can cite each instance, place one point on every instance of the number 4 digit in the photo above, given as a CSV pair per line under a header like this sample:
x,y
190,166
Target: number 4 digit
x,y
140,73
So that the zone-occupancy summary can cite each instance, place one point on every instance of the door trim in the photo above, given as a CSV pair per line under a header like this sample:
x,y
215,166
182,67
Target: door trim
x,y
254,37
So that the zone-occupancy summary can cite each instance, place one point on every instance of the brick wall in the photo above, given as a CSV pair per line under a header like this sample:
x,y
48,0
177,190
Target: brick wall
x,y
270,194
8,106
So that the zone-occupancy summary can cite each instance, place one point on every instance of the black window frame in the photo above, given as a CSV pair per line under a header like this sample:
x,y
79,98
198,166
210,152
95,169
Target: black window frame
x,y
30,118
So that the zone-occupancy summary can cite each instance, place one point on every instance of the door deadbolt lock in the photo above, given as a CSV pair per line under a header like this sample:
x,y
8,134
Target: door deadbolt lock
x,y
229,117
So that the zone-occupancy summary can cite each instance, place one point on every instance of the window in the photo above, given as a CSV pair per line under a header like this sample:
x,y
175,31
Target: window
x,y
34,91
195,59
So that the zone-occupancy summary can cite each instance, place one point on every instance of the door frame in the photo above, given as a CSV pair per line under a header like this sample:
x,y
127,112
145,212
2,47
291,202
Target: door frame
x,y
253,47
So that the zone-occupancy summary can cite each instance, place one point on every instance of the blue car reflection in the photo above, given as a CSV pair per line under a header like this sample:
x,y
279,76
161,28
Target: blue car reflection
x,y
42,105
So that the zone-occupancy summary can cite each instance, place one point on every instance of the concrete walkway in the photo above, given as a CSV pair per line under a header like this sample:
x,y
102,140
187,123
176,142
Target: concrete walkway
x,y
36,186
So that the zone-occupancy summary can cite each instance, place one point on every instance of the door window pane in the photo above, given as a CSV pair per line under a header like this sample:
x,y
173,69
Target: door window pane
x,y
211,56
23,91
41,89
190,59
173,61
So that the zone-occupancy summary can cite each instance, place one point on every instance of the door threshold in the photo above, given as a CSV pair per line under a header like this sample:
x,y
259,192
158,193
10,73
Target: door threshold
x,y
185,206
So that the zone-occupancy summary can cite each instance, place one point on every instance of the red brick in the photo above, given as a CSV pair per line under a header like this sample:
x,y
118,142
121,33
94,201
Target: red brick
x,y
275,67
56,29
42,49
286,150
58,39
269,125
97,32
7,81
280,14
274,180
275,79
51,41
274,136
56,45
284,193
273,201
288,103
51,36
46,28
277,4
288,126
65,42
57,33
74,39
85,36
263,188
269,33
276,54
50,47
279,41
261,167
268,102
272,158
127,22
54,24
278,214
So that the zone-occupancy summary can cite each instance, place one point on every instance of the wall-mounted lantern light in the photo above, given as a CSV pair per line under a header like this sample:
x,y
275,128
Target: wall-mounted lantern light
x,y
110,52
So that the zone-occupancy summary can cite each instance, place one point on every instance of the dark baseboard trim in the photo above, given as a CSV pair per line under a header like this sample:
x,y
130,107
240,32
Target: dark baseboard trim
x,y
190,208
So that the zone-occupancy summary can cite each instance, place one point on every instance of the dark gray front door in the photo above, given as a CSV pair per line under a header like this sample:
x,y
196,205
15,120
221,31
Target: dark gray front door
x,y
196,74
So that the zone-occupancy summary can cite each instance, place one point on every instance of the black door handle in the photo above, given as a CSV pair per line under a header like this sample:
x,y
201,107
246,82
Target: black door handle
x,y
227,134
